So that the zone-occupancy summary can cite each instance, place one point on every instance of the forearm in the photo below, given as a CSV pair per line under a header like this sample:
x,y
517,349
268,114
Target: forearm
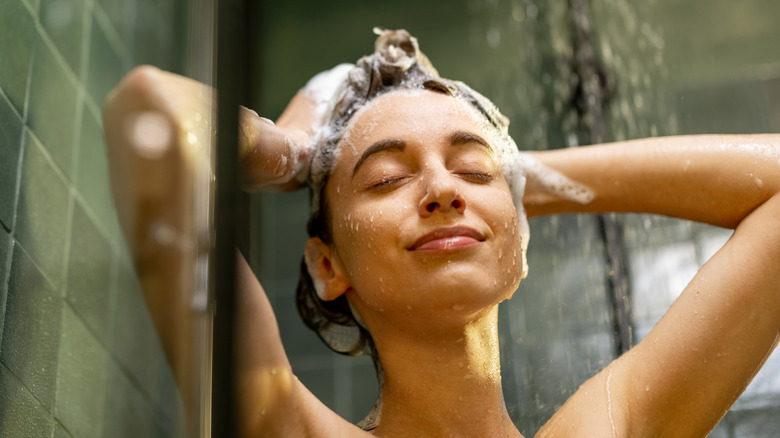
x,y
154,168
717,179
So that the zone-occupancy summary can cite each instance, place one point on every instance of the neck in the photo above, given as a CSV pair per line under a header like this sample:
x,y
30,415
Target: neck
x,y
444,381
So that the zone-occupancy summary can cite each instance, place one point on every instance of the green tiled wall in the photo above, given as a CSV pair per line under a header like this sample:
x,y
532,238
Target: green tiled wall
x,y
78,354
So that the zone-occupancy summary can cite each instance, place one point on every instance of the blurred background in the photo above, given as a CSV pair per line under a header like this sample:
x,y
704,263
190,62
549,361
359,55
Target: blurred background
x,y
79,356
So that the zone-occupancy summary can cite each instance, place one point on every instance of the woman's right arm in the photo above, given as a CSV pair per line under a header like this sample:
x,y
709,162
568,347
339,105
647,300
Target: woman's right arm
x,y
686,373
150,122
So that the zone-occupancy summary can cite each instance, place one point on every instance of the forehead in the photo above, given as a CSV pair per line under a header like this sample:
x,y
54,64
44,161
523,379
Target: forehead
x,y
407,115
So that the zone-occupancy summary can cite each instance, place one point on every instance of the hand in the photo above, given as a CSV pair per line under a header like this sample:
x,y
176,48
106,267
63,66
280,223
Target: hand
x,y
276,156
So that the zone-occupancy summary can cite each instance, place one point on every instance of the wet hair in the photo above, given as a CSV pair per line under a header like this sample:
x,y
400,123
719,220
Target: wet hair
x,y
396,64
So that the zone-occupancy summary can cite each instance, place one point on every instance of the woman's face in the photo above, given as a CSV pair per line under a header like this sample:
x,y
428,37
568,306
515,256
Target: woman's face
x,y
422,217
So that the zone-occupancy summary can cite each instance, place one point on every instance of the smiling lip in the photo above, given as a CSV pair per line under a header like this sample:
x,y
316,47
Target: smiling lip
x,y
447,239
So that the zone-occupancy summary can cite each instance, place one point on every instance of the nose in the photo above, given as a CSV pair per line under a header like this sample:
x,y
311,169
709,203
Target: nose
x,y
441,195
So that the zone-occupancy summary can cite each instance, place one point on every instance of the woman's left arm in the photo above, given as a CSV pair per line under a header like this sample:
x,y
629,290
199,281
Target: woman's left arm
x,y
687,372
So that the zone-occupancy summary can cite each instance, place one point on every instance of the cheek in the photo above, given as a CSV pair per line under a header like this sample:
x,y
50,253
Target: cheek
x,y
506,225
364,235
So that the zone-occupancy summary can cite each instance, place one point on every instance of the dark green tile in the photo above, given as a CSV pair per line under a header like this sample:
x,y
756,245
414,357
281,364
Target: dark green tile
x,y
32,328
20,413
106,68
60,432
298,339
128,413
41,223
52,114
89,273
17,39
5,248
136,346
92,181
155,36
33,4
5,252
121,14
63,20
10,145
320,381
365,387
81,378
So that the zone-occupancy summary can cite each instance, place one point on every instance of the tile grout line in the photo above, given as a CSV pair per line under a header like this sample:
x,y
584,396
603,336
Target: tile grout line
x,y
32,394
124,52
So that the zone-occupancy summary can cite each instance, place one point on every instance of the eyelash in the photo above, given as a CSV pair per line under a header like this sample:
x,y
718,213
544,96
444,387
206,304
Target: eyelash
x,y
385,183
480,177
475,176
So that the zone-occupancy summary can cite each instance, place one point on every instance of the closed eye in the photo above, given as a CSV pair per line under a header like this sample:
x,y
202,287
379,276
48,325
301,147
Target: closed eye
x,y
386,183
476,177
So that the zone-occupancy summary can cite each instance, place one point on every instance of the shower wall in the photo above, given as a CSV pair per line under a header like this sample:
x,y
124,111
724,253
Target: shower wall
x,y
79,356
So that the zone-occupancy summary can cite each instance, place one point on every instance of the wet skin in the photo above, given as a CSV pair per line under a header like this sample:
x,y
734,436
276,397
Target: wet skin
x,y
423,220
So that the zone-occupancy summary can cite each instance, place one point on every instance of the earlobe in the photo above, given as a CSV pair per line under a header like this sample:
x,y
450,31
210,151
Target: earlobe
x,y
325,270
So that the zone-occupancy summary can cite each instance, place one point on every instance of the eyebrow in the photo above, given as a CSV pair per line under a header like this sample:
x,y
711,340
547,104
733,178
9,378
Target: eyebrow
x,y
464,137
389,145
457,138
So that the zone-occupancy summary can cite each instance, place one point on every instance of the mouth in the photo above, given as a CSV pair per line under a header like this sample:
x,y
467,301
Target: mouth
x,y
448,239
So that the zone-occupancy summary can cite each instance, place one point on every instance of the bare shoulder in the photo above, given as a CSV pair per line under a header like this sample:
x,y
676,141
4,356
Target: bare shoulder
x,y
593,411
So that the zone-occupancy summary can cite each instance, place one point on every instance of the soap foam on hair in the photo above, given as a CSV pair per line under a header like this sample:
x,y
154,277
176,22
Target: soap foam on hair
x,y
341,93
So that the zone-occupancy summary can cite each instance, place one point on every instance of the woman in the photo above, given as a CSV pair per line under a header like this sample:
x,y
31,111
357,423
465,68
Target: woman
x,y
417,235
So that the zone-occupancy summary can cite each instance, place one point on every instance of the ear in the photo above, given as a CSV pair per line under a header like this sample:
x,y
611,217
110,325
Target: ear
x,y
325,270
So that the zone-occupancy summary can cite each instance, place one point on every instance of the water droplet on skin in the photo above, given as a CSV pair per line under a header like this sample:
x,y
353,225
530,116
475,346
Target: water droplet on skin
x,y
647,389
458,307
